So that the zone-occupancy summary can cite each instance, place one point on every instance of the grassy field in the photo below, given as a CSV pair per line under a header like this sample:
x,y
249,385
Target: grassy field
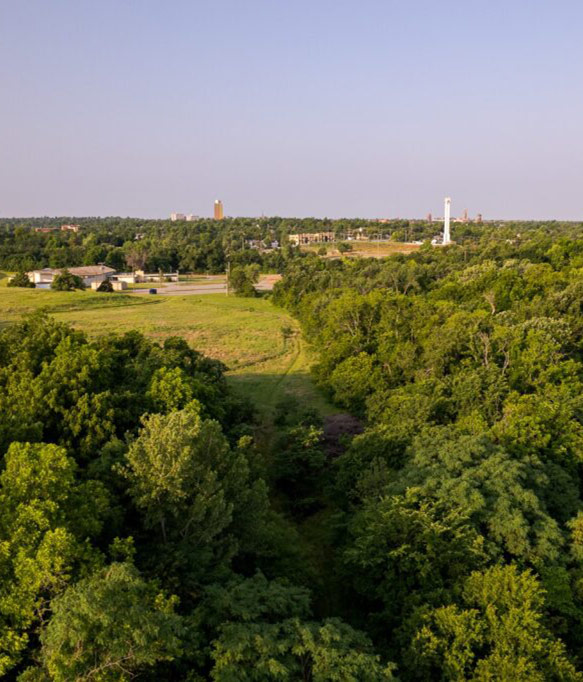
x,y
365,249
265,364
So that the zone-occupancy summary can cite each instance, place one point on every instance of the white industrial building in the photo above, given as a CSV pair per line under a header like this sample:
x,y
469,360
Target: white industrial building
x,y
88,273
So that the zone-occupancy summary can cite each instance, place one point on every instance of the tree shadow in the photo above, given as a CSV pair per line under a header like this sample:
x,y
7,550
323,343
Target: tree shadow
x,y
265,391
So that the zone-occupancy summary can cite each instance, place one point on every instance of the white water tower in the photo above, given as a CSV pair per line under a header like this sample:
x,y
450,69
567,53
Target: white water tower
x,y
446,212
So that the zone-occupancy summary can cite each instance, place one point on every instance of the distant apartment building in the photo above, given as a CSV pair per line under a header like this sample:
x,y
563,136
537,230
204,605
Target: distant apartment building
x,y
188,217
218,212
63,228
311,238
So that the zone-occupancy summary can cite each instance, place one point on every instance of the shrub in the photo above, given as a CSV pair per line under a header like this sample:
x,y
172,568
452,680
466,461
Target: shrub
x,y
242,279
20,279
105,286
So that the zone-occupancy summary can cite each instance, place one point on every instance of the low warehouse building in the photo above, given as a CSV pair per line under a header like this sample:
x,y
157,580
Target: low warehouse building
x,y
88,273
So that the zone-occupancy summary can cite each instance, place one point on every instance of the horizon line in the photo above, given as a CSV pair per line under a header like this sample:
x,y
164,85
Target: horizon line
x,y
291,217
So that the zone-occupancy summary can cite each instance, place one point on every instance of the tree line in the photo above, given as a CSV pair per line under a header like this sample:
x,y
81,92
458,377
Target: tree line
x,y
198,246
130,244
456,514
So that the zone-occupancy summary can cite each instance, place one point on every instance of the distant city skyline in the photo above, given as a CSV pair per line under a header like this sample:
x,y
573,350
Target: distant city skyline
x,y
327,109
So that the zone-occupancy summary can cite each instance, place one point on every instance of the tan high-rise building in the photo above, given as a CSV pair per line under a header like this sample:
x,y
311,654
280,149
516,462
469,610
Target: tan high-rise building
x,y
218,209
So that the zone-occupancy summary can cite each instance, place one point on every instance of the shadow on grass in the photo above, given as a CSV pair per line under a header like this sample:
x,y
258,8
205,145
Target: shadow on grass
x,y
116,301
265,391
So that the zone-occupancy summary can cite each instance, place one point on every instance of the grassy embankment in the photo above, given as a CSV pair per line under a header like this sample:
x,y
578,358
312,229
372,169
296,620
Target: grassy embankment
x,y
246,334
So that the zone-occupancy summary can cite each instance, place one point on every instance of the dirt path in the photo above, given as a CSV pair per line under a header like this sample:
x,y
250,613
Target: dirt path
x,y
336,428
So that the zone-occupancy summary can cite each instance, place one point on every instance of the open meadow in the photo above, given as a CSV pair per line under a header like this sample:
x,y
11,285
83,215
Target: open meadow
x,y
364,249
260,344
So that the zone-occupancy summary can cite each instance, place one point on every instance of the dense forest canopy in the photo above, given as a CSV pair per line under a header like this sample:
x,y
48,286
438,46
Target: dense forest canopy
x,y
148,527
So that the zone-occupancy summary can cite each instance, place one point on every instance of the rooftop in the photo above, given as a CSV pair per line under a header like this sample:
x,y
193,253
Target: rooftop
x,y
82,271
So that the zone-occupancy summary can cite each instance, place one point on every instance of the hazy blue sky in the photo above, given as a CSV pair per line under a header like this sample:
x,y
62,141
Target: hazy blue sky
x,y
291,107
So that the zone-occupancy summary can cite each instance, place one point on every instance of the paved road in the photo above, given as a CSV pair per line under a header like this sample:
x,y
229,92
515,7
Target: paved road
x,y
213,287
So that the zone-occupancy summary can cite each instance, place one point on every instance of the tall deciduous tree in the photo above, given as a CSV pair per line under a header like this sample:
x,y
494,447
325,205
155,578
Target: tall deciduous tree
x,y
498,633
192,488
46,521
109,627
295,650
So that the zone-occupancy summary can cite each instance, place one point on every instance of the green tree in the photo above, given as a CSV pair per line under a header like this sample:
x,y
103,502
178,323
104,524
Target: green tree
x,y
66,281
497,634
408,550
242,279
195,490
136,255
296,650
109,627
172,389
501,497
46,520
20,279
353,380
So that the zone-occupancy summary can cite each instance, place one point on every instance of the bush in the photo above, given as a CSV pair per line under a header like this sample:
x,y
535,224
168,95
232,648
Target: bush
x,y
343,247
105,286
67,281
20,279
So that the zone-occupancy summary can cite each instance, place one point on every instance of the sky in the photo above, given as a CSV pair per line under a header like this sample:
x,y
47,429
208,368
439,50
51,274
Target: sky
x,y
337,108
